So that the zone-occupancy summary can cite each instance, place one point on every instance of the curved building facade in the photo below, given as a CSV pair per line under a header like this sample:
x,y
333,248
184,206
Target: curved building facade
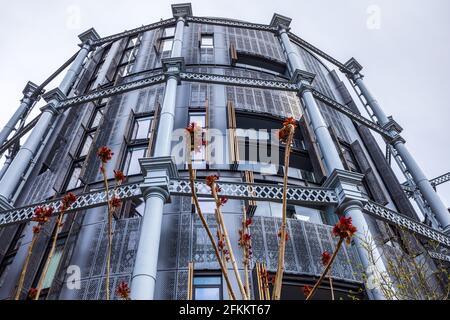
x,y
240,80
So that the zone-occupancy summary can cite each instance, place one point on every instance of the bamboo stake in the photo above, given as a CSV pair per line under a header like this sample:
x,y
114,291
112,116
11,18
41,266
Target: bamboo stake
x,y
108,257
245,253
25,267
331,286
228,242
208,231
327,268
282,245
258,280
50,255
190,280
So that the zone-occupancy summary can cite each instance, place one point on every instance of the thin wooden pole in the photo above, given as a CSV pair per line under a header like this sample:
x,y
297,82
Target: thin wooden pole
x,y
50,255
25,267
208,231
190,279
228,242
282,245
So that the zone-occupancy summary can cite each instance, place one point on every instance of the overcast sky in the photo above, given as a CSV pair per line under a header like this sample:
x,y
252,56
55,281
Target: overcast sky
x,y
404,46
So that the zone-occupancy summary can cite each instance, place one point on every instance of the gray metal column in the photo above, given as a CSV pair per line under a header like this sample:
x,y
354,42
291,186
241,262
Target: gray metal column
x,y
345,183
158,171
420,179
25,105
26,153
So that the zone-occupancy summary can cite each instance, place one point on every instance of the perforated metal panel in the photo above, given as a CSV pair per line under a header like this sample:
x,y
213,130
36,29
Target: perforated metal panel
x,y
125,243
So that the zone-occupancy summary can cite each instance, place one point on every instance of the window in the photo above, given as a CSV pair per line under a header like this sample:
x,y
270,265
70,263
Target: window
x,y
166,45
73,180
141,128
133,155
53,266
166,42
352,165
199,118
169,32
92,81
86,145
207,287
137,144
127,61
207,41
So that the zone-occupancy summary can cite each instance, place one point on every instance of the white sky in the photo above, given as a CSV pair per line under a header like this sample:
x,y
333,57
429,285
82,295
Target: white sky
x,y
406,60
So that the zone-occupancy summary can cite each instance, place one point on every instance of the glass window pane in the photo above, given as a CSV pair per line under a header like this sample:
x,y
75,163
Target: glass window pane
x,y
166,45
141,128
207,41
132,42
169,32
132,161
96,118
74,181
207,294
199,119
86,145
52,267
207,280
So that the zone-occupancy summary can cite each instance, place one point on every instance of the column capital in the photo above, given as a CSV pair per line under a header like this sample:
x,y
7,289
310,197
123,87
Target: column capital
x,y
173,67
281,22
30,88
54,94
345,183
157,173
354,66
304,87
4,204
182,10
88,37
393,125
302,76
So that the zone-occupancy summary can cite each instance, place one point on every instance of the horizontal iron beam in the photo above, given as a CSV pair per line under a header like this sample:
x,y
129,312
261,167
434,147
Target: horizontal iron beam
x,y
111,91
239,81
232,23
397,219
243,191
299,41
353,115
135,31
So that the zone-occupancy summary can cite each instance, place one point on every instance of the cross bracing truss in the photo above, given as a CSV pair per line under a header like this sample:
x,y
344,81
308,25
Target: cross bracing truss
x,y
434,182
261,192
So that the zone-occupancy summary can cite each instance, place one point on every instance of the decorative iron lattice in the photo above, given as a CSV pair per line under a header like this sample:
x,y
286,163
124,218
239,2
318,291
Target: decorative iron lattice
x,y
440,180
439,256
133,32
299,41
104,93
84,201
396,218
255,191
232,23
352,115
239,81
232,190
